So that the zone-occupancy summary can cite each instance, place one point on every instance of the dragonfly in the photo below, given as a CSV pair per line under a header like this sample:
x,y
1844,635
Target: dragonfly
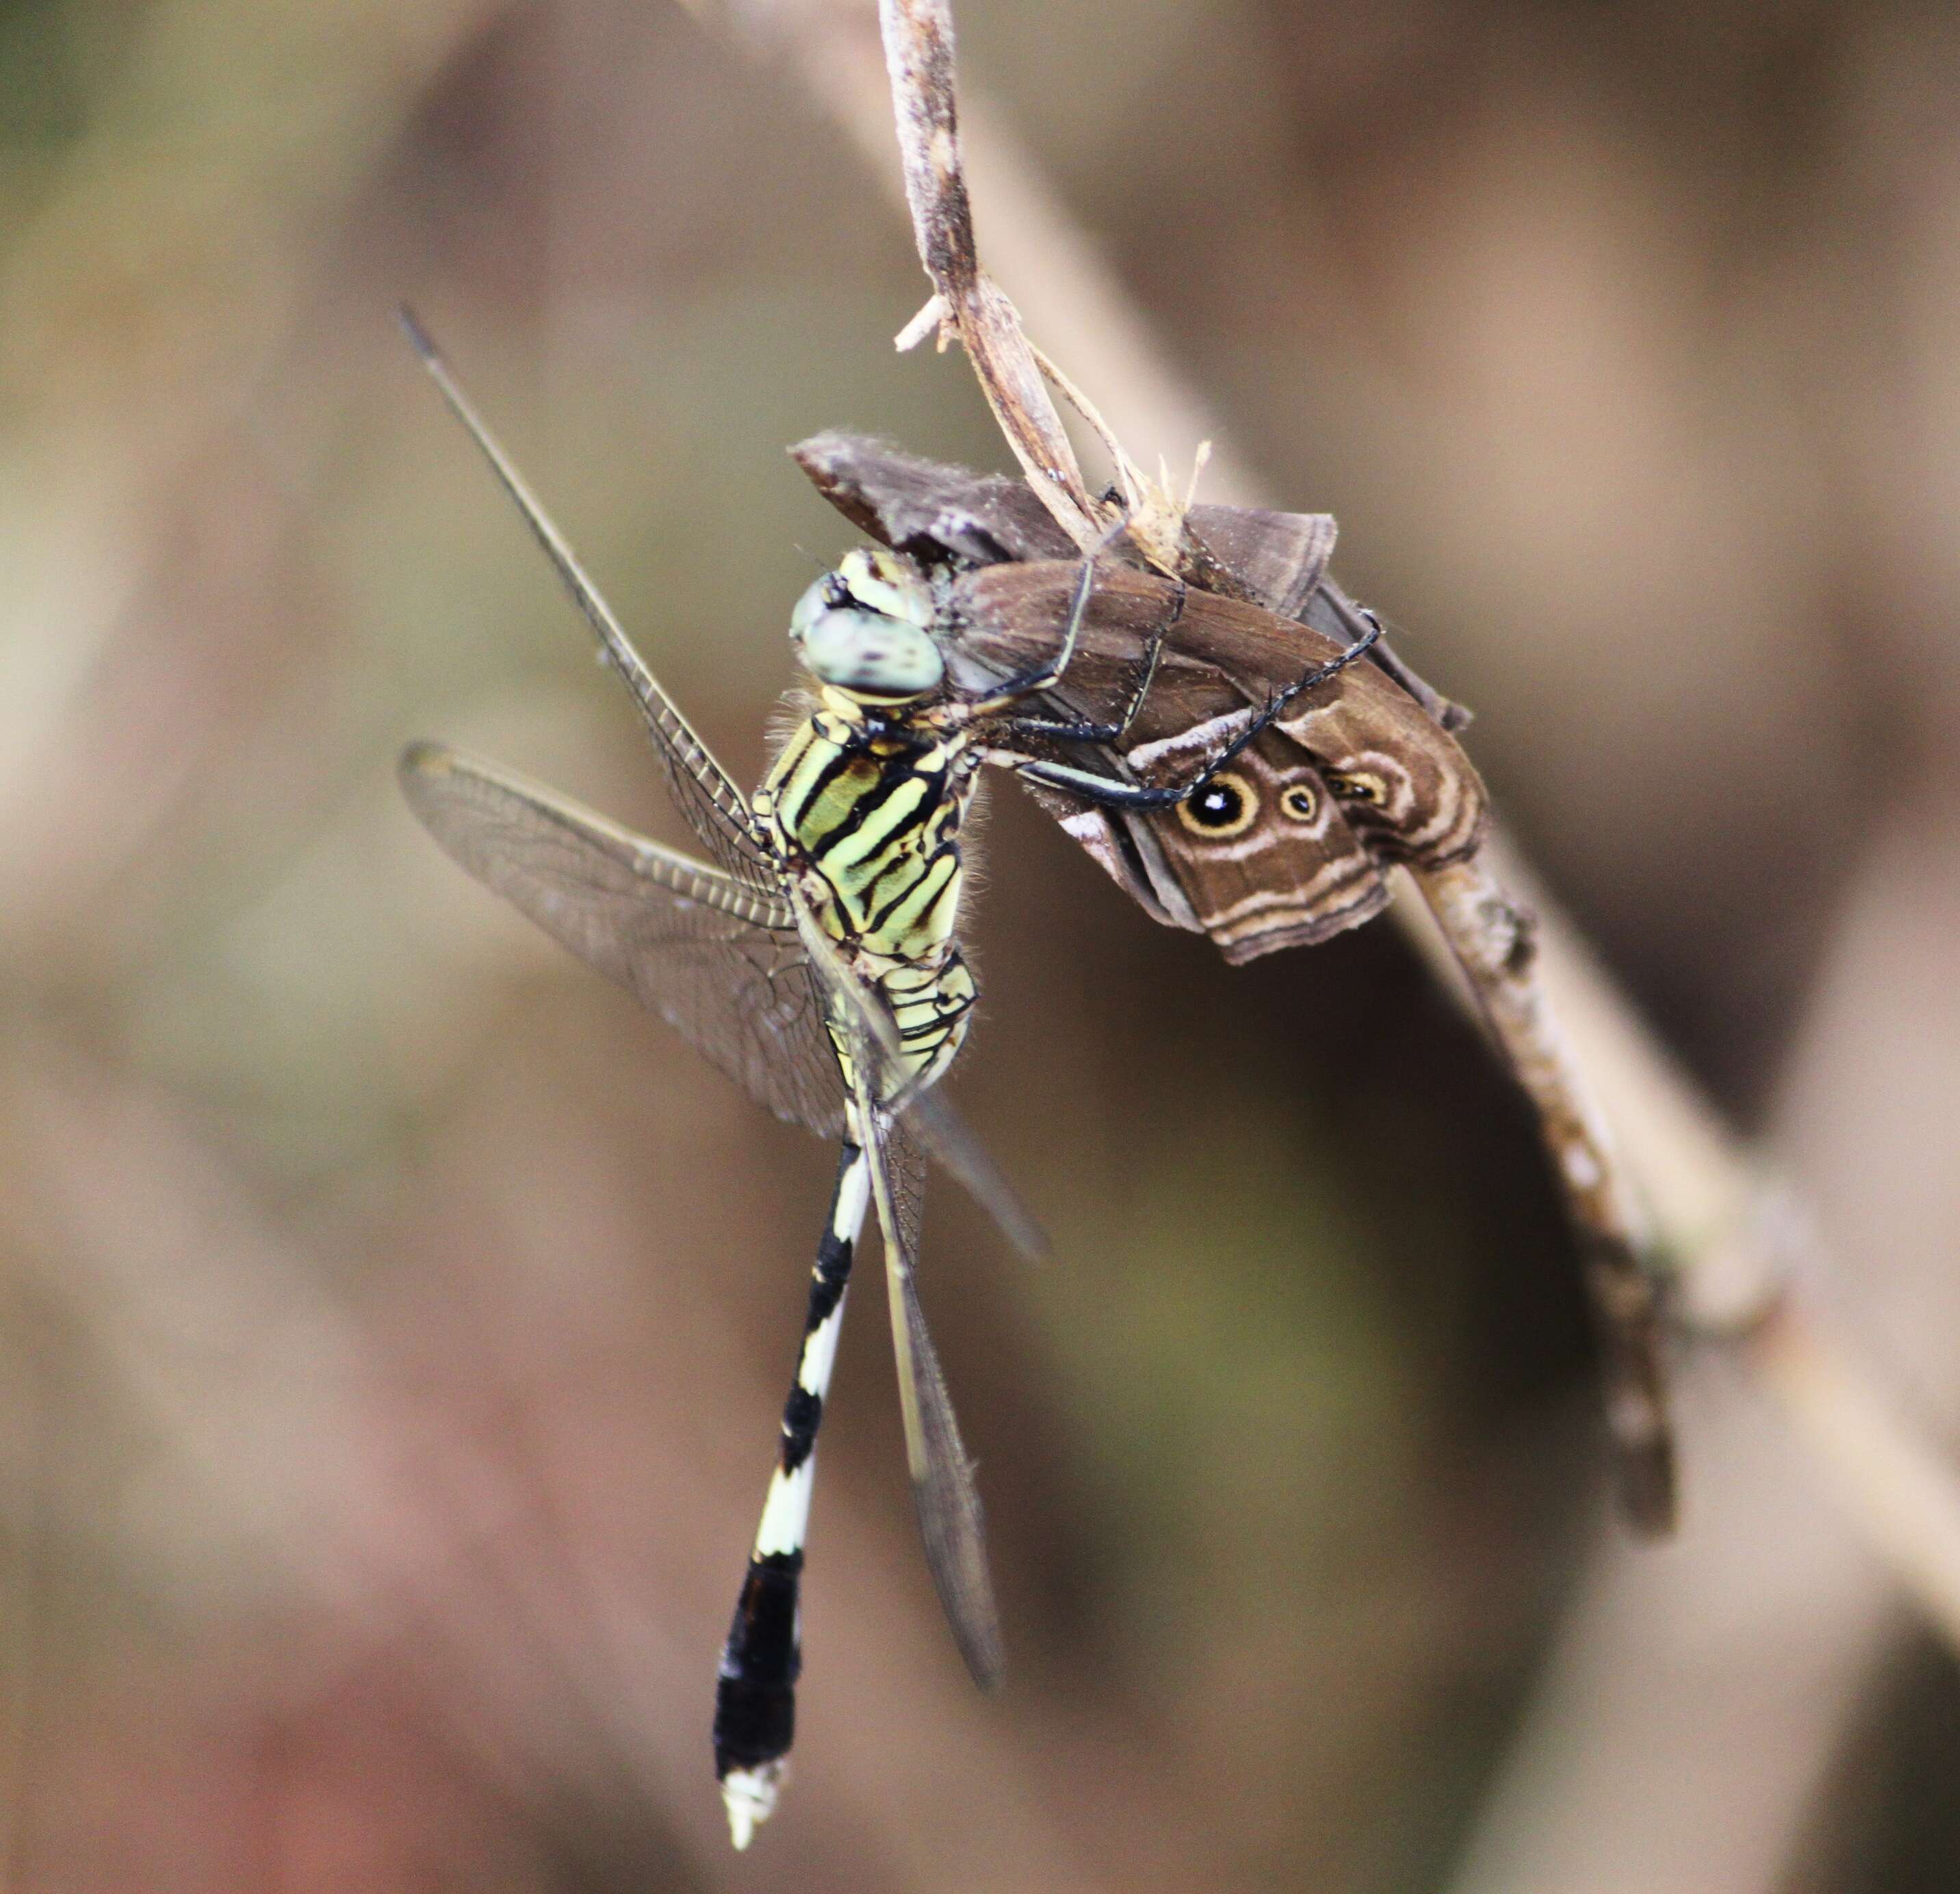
x,y
815,959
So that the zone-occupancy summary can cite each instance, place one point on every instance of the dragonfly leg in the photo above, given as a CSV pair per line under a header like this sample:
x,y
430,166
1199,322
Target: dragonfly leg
x,y
755,1697
1078,730
1110,793
1050,671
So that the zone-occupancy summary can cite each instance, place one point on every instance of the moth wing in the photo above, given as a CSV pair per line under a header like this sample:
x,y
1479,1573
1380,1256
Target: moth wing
x,y
1282,879
1285,869
1281,558
1410,790
942,513
931,509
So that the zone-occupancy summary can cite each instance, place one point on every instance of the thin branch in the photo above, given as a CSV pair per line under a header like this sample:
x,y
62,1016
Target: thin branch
x,y
968,306
1495,939
918,54
1739,1659
1893,1481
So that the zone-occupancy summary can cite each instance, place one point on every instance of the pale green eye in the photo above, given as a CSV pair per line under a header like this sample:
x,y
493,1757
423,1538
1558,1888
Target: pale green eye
x,y
818,598
864,651
886,582
859,628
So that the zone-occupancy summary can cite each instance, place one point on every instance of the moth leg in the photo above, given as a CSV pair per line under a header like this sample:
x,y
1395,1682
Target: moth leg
x,y
1111,794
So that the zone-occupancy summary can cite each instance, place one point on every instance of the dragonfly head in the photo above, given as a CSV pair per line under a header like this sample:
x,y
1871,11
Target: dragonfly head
x,y
861,630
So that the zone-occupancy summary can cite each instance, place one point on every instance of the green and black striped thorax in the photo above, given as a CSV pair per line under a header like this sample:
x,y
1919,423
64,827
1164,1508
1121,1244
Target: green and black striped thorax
x,y
865,802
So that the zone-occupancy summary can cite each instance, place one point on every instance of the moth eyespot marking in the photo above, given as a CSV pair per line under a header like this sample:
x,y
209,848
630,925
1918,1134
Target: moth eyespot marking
x,y
1358,786
1300,802
1227,805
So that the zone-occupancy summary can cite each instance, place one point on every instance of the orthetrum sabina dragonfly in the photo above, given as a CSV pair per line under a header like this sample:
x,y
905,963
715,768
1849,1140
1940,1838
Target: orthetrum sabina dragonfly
x,y
815,961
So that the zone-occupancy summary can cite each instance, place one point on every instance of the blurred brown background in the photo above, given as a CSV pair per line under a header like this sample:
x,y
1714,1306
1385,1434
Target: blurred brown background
x,y
395,1321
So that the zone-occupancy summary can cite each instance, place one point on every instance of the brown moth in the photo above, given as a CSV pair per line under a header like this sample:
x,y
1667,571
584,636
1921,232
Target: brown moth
x,y
1287,846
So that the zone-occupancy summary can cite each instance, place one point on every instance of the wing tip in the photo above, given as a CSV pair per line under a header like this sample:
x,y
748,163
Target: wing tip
x,y
423,759
987,1668
966,1596
420,340
1030,1242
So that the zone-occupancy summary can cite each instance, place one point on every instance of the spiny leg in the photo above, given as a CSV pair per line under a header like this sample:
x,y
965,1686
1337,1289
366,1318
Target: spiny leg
x,y
755,1695
1110,793
1050,671
1082,730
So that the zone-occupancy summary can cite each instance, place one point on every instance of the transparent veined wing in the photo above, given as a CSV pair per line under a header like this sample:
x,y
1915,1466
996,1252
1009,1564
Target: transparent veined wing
x,y
722,965
878,1054
729,970
950,1521
715,809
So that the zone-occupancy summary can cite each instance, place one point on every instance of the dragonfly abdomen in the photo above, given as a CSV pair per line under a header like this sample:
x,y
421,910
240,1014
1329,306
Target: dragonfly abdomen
x,y
755,1697
930,1007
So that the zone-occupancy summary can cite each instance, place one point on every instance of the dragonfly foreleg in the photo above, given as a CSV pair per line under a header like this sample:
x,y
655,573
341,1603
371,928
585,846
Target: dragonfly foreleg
x,y
755,1697
1050,671
1080,730
1110,793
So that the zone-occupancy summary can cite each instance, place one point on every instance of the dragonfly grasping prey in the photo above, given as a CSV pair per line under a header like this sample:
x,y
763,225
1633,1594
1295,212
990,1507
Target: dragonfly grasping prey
x,y
814,960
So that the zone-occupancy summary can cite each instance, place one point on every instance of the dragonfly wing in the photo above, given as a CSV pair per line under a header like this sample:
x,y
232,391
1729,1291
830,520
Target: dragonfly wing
x,y
948,1501
931,1119
722,965
715,809
874,1035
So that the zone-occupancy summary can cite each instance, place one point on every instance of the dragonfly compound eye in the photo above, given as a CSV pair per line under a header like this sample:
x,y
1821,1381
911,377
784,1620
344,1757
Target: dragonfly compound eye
x,y
820,596
862,651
